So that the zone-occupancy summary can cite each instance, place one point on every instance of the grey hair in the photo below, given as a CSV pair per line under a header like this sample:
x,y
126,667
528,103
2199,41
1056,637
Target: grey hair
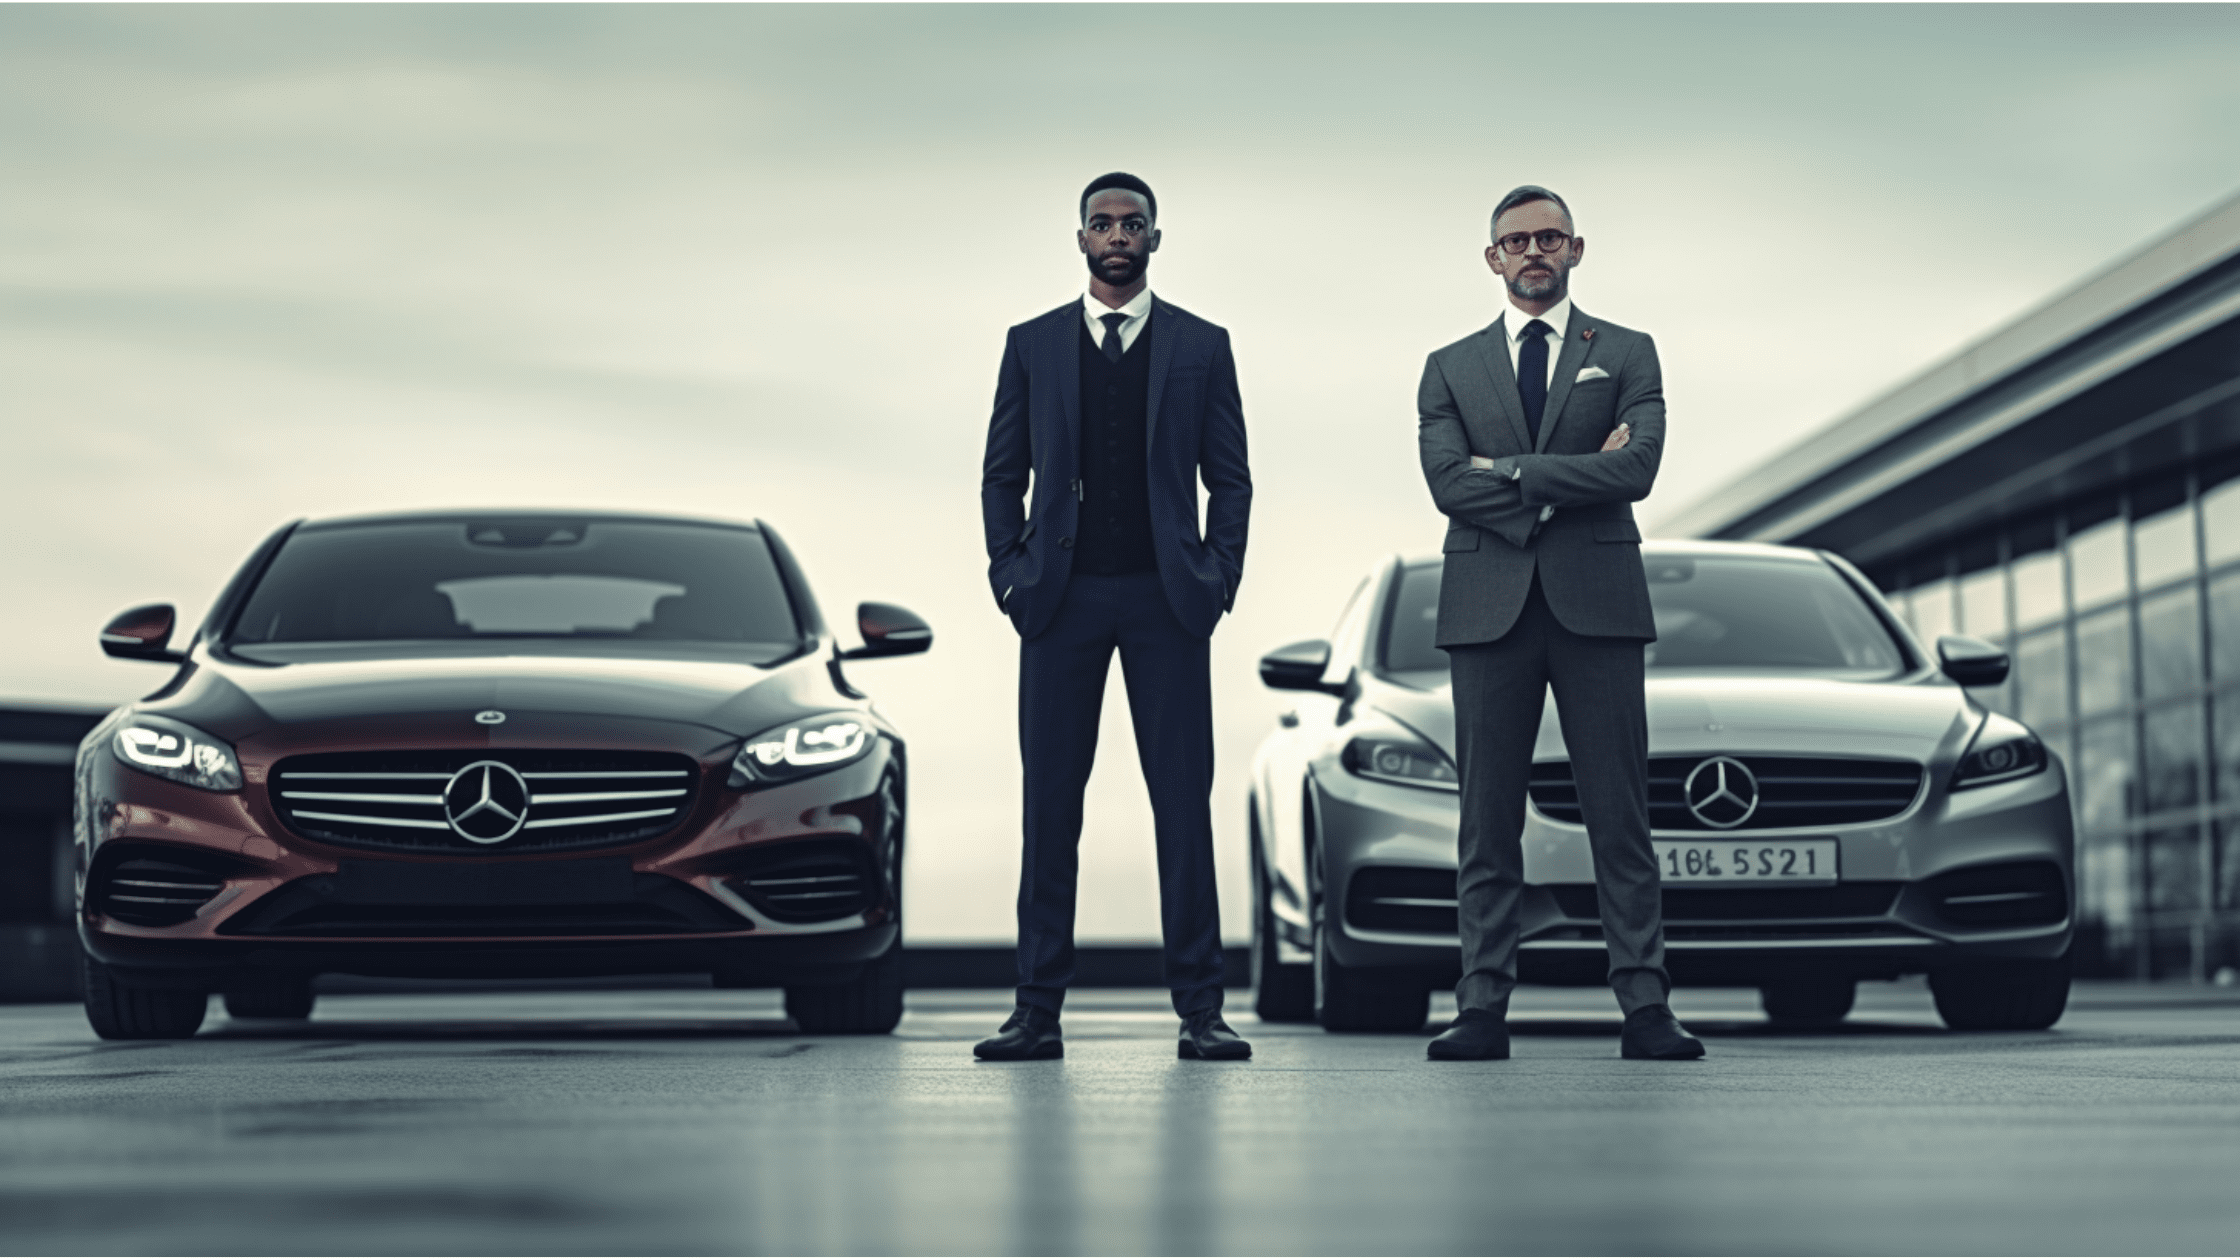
x,y
1525,194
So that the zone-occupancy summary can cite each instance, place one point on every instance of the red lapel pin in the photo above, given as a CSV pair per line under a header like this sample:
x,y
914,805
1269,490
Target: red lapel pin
x,y
1586,334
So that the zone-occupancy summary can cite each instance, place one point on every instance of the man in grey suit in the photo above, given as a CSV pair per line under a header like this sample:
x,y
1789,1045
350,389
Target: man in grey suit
x,y
1538,434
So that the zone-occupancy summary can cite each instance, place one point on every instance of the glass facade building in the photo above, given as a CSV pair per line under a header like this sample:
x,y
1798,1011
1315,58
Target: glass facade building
x,y
2069,489
2123,620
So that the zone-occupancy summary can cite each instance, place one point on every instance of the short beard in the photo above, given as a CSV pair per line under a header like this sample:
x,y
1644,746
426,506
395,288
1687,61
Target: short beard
x,y
1134,267
1537,289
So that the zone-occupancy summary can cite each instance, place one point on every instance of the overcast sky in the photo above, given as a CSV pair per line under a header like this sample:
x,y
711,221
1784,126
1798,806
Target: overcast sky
x,y
263,262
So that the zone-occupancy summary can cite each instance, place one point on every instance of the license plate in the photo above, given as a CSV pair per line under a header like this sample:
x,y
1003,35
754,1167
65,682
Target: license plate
x,y
1742,861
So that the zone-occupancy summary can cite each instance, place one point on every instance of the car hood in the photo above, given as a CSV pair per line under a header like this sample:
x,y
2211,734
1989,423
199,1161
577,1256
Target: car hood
x,y
1780,716
699,701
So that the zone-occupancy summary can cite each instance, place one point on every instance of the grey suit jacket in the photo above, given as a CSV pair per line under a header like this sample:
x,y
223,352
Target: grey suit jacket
x,y
1588,554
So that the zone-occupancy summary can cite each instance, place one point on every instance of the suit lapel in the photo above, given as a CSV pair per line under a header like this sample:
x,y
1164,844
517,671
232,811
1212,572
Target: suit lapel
x,y
1574,353
1504,378
1065,343
1163,331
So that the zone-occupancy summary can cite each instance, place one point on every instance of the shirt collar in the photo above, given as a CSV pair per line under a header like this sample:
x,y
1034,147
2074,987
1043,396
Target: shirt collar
x,y
1557,318
1137,307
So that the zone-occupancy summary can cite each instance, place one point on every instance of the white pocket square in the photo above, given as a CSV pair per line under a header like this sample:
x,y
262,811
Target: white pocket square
x,y
1590,374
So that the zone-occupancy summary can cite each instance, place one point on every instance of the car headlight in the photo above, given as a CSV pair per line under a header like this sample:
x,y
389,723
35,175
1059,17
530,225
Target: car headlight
x,y
800,749
178,752
1397,758
2004,749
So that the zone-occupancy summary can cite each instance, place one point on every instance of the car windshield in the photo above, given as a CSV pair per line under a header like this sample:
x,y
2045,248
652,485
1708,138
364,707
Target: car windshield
x,y
515,577
1714,613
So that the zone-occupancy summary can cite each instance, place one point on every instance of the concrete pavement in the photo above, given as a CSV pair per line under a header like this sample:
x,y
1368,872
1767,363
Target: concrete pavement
x,y
685,1120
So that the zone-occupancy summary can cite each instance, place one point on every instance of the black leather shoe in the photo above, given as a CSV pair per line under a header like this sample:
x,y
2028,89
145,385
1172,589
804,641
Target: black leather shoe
x,y
1030,1033
1205,1036
1653,1033
1474,1034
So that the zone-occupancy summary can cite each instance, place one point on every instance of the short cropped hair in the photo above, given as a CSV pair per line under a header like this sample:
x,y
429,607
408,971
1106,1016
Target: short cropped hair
x,y
1525,194
1122,180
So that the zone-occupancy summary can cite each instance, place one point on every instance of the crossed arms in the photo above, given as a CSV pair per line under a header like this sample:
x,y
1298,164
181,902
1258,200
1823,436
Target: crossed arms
x,y
1506,498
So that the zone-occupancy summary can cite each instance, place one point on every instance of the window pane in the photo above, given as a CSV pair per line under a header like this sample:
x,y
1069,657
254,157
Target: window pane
x,y
2104,796
2096,563
2226,710
2162,546
2224,628
2104,883
2041,675
2220,520
2037,588
2104,660
2170,643
1932,611
1983,605
2228,865
2173,757
2174,868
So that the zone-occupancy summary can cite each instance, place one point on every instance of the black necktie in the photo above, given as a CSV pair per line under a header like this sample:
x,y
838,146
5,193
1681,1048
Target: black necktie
x,y
1111,345
1532,375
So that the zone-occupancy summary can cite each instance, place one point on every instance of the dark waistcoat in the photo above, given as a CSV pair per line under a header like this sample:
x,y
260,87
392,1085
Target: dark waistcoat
x,y
1114,536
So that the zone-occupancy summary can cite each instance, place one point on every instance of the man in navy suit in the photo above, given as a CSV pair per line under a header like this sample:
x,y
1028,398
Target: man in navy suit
x,y
1108,410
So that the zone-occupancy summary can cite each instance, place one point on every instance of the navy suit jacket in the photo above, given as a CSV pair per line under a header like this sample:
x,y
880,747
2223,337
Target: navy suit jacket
x,y
1193,428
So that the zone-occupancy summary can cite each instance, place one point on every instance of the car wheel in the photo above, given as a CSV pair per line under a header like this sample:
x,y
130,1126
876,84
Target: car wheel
x,y
271,997
122,1011
2002,997
1809,1001
1364,999
871,1003
1281,992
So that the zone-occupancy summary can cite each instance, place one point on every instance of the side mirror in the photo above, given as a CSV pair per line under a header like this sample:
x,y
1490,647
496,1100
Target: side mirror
x,y
142,634
888,630
1970,661
1296,666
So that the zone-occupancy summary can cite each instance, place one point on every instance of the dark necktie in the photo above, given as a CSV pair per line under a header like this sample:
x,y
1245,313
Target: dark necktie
x,y
1532,375
1111,345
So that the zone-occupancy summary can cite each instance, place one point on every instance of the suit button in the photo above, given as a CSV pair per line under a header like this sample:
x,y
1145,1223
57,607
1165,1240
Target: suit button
x,y
1067,543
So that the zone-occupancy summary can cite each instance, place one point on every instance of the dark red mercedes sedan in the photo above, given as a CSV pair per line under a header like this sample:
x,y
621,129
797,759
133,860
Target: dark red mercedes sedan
x,y
496,744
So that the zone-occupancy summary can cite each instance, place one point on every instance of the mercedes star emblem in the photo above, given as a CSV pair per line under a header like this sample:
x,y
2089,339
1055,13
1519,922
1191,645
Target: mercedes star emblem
x,y
489,717
1721,792
486,802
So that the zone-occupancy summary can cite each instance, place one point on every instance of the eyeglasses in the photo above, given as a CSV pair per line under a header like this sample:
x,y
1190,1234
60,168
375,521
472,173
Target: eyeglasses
x,y
1548,239
1133,225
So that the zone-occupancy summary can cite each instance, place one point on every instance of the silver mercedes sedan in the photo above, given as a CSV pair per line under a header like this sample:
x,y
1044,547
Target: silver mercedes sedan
x,y
1828,804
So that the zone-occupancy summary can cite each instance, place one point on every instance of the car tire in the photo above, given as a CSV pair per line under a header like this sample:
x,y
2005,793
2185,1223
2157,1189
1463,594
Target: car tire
x,y
1282,992
271,997
1808,1001
1365,999
869,1004
2002,997
122,1011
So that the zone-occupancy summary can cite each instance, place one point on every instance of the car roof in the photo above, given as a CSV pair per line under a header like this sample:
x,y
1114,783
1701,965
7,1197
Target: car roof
x,y
1688,547
574,514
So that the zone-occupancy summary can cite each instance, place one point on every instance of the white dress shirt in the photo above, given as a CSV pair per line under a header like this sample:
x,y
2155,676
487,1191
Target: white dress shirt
x,y
1558,318
1138,310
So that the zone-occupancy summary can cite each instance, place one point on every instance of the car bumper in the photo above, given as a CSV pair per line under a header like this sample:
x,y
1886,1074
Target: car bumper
x,y
681,902
1363,825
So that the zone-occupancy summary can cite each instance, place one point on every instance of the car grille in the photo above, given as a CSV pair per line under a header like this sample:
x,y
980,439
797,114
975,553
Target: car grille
x,y
1866,899
809,883
155,892
1402,899
599,896
1792,791
2008,894
394,800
